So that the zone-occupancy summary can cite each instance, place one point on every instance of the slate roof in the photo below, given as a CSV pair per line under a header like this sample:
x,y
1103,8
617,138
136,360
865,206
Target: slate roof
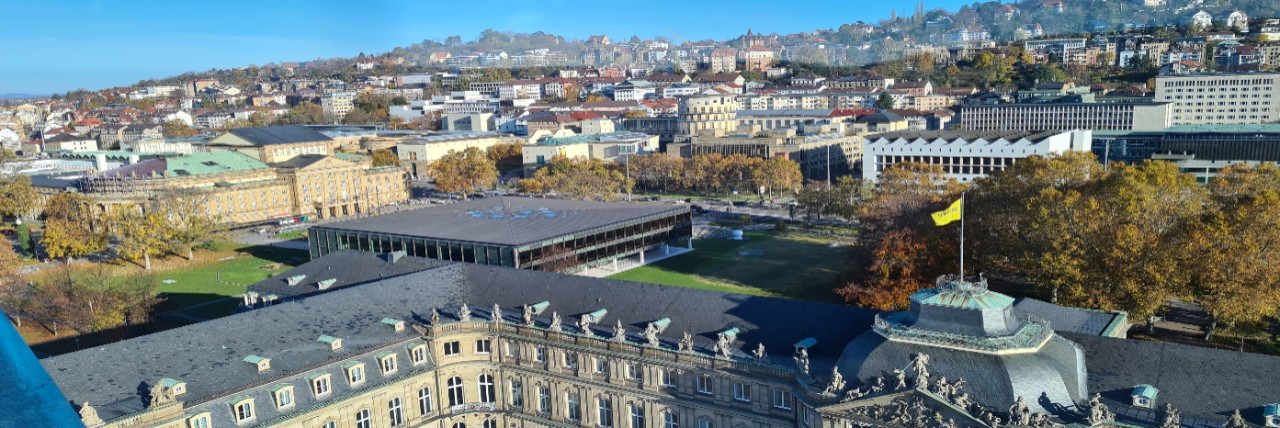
x,y
347,267
208,356
505,220
289,134
1070,320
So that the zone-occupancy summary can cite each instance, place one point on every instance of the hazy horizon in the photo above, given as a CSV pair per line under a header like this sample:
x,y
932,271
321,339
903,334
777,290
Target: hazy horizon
x,y
57,47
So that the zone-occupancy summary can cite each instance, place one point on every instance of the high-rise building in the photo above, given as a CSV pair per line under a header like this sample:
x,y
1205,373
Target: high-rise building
x,y
1221,98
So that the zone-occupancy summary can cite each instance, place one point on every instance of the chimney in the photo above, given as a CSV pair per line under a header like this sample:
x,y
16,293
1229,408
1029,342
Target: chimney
x,y
395,256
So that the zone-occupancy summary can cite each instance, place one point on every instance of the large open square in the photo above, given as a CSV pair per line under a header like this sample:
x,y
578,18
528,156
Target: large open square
x,y
766,263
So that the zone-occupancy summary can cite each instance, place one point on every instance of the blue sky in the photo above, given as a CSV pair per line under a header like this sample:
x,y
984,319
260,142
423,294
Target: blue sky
x,y
55,46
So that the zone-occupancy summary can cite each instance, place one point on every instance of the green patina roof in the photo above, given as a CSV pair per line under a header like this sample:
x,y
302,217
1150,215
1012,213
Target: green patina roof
x,y
621,136
170,383
1145,391
1271,410
211,163
315,376
253,359
328,339
962,295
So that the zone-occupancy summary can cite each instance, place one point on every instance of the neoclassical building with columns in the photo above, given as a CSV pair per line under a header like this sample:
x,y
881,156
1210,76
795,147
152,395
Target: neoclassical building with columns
x,y
458,345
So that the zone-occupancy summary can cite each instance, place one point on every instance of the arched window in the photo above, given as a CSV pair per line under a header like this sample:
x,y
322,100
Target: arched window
x,y
424,401
364,419
490,423
455,391
459,425
394,414
485,383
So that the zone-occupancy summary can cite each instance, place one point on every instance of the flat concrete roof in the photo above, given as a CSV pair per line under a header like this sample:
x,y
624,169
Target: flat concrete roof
x,y
511,221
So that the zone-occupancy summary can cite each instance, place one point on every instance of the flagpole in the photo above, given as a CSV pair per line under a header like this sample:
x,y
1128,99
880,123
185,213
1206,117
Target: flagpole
x,y
962,204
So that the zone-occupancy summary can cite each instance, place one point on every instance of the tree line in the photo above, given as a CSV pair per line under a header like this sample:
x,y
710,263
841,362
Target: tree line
x,y
176,222
1078,233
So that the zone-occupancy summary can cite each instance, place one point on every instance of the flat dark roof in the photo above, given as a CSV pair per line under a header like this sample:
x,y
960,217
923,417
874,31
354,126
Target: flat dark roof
x,y
505,220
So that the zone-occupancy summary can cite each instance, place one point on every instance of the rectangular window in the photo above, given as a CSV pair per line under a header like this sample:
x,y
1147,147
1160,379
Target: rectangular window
x,y
605,412
573,406
394,414
667,378
570,360
355,374
284,397
637,416
513,350
544,399
633,371
517,393
602,366
389,364
483,346
742,392
782,399
424,401
540,354
705,384
452,348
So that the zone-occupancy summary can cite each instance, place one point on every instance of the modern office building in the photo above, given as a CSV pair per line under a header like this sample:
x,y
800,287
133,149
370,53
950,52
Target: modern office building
x,y
466,345
1064,116
1221,98
965,156
526,233
1202,150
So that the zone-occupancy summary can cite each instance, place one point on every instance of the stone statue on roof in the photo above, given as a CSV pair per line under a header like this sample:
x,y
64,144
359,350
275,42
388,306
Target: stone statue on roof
x,y
619,333
1098,412
1019,414
555,322
686,342
1171,418
723,348
962,401
837,382
900,378
759,352
464,313
497,313
435,317
920,364
527,315
802,362
159,395
89,415
584,324
651,335
1236,421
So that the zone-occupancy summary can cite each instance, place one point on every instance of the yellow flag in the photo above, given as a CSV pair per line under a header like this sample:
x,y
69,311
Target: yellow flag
x,y
952,213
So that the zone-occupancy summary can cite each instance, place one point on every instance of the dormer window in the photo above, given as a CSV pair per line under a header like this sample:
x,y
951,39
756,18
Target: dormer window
x,y
320,385
418,354
175,386
202,420
333,342
284,396
355,374
295,280
262,364
388,362
242,409
1144,396
325,284
395,324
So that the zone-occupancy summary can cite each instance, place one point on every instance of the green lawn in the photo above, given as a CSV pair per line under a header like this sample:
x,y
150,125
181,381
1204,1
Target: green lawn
x,y
189,286
787,264
292,234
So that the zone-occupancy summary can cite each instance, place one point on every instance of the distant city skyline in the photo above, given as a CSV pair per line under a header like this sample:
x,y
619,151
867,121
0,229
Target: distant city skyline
x,y
54,47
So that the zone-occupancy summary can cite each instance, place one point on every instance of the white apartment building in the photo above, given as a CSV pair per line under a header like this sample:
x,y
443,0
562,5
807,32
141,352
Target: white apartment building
x,y
1223,98
966,156
338,104
1067,116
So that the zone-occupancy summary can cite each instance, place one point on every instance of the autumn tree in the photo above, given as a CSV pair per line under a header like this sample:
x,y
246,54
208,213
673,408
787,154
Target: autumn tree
x,y
175,128
580,178
1237,275
305,113
188,221
510,154
17,196
657,171
73,227
464,172
595,98
777,173
15,293
385,157
140,235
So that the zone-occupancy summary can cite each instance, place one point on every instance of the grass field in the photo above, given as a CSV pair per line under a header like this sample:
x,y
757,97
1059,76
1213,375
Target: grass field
x,y
783,264
227,275
292,234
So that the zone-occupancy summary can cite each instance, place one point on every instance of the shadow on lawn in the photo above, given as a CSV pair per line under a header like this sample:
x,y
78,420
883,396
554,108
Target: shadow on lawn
x,y
84,341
